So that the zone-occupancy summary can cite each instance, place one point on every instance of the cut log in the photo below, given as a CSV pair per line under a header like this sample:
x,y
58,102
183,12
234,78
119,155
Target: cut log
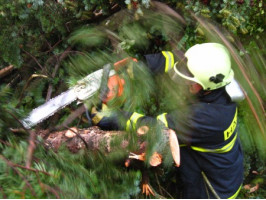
x,y
76,139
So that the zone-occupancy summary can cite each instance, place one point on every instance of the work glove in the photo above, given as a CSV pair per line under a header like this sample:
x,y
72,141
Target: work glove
x,y
105,118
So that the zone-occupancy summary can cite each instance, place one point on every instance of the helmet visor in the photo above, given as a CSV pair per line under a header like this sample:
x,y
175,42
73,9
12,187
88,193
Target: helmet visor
x,y
181,68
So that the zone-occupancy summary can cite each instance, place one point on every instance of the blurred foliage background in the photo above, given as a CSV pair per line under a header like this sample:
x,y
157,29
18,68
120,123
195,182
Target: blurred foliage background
x,y
47,45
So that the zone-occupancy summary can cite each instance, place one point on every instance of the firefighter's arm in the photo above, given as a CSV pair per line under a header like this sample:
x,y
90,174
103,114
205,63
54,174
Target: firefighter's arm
x,y
160,62
118,119
109,119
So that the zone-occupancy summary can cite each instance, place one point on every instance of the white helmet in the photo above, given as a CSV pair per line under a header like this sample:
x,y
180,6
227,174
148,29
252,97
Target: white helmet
x,y
207,64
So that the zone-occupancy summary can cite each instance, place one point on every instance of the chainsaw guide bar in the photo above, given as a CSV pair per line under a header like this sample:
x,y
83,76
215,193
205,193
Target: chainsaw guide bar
x,y
84,89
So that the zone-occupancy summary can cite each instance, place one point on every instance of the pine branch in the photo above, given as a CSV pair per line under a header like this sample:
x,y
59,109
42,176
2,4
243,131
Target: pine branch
x,y
31,148
50,189
15,117
31,169
11,165
32,138
162,188
5,143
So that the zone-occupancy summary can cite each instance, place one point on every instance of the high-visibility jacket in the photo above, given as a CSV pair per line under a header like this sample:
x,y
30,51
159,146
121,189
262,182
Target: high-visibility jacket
x,y
160,62
207,130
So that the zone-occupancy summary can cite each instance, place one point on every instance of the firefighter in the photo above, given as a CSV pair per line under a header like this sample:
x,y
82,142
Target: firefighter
x,y
211,155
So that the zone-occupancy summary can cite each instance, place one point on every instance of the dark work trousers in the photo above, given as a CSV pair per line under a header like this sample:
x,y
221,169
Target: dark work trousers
x,y
194,185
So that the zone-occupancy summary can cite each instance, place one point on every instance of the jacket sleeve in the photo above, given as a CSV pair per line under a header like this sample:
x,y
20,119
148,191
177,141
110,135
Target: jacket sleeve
x,y
121,120
160,62
131,121
180,121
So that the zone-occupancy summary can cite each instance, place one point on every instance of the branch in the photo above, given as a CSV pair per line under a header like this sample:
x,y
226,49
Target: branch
x,y
31,169
49,188
52,190
162,188
210,186
76,113
27,85
5,143
52,47
13,80
31,148
34,58
2,191
15,117
6,71
50,88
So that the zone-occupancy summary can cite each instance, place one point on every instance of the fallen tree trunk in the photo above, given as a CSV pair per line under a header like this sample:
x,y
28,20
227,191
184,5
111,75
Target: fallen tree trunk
x,y
94,138
75,139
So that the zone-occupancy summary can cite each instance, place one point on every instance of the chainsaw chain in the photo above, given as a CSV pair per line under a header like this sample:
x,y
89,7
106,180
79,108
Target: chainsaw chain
x,y
26,122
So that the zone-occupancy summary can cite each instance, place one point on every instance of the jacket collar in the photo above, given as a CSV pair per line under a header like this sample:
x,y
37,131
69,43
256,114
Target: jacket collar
x,y
215,96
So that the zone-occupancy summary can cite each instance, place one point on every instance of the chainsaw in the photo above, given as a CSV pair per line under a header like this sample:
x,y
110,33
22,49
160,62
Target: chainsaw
x,y
83,90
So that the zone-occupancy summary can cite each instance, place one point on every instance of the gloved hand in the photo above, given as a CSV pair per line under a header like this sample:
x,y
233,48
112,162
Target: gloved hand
x,y
105,118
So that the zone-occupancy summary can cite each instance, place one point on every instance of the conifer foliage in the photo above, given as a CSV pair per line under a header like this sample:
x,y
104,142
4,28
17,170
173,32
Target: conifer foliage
x,y
46,46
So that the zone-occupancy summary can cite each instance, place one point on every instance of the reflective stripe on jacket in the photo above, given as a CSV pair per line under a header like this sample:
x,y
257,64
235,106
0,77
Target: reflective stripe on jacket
x,y
209,128
160,62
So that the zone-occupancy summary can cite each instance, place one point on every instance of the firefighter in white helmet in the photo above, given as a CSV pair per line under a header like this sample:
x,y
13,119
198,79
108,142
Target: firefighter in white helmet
x,y
211,155
207,64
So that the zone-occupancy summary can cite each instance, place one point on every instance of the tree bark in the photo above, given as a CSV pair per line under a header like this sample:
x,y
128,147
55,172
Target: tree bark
x,y
76,139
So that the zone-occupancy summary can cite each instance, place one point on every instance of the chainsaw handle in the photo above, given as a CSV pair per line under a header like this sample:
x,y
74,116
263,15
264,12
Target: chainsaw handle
x,y
121,63
104,89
